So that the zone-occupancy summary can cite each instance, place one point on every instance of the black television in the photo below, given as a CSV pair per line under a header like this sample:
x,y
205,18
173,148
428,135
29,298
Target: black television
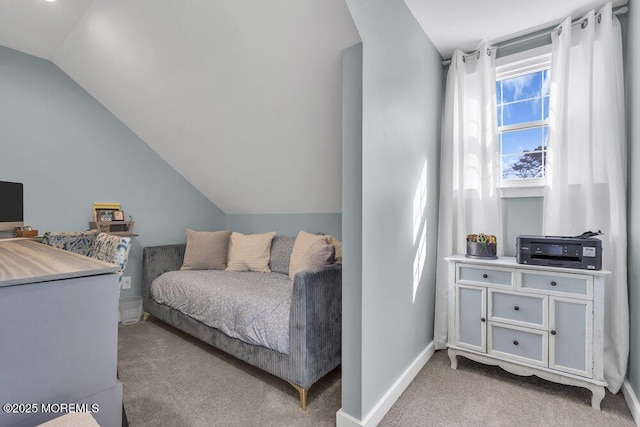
x,y
11,205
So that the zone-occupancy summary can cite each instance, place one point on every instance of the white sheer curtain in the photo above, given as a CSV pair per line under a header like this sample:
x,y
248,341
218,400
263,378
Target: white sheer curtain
x,y
586,169
469,167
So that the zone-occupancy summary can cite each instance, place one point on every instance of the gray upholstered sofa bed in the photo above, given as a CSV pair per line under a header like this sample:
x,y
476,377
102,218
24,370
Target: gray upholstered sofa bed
x,y
315,322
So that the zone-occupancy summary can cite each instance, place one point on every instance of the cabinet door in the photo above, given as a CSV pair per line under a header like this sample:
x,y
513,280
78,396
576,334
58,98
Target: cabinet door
x,y
471,311
570,333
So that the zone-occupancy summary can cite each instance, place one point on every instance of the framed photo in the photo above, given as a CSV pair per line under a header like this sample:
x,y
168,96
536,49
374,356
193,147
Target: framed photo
x,y
104,215
118,216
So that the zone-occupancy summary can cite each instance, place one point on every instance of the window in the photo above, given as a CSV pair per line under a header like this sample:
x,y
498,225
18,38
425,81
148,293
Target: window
x,y
522,92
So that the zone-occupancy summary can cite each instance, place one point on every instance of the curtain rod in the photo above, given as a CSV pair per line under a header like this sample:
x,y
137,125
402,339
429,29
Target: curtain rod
x,y
619,11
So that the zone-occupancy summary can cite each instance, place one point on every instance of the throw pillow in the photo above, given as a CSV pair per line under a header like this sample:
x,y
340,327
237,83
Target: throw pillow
x,y
337,244
250,252
206,250
303,242
317,255
281,248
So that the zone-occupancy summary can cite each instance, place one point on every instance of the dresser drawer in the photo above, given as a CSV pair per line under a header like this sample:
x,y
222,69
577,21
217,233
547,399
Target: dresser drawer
x,y
575,285
518,308
472,275
513,342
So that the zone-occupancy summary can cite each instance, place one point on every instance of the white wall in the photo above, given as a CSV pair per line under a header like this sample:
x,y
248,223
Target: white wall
x,y
242,98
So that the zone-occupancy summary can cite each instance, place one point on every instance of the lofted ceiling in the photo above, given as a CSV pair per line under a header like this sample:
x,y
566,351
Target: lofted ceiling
x,y
465,23
243,98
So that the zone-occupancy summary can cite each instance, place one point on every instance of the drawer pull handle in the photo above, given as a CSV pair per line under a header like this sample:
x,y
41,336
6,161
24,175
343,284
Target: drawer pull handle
x,y
482,319
515,342
516,308
485,275
553,283
553,332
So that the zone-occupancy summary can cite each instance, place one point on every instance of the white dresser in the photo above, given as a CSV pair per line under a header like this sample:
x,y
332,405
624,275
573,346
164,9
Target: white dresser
x,y
529,320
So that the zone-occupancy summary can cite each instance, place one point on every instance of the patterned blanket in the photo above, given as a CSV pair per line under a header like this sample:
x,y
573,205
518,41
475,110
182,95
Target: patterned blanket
x,y
252,307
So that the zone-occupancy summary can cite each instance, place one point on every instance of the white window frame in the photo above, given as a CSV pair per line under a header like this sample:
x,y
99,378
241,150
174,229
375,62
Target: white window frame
x,y
507,67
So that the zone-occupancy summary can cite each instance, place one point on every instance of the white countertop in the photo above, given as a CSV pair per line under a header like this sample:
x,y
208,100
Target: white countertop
x,y
510,262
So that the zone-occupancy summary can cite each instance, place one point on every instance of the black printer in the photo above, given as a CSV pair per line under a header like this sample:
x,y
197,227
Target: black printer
x,y
558,251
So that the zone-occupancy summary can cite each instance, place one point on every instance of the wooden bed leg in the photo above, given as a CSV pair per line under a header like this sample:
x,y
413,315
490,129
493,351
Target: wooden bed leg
x,y
303,396
145,316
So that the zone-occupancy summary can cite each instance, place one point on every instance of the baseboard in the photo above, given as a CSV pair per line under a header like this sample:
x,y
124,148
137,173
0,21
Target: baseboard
x,y
632,401
391,396
345,420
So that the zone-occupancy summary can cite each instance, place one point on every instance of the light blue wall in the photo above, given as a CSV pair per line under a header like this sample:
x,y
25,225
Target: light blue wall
x,y
286,224
633,120
401,109
69,151
520,215
352,225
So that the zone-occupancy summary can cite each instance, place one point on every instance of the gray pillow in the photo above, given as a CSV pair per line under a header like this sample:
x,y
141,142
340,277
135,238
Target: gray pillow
x,y
206,250
281,248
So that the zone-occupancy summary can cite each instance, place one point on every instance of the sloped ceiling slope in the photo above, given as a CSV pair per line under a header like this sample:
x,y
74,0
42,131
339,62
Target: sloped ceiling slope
x,y
243,98
38,27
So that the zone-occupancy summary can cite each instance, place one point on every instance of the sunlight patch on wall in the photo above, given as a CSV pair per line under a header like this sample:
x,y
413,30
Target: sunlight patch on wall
x,y
420,223
418,262
419,202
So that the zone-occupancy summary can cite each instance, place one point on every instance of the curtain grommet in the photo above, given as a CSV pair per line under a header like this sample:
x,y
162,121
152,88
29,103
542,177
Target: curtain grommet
x,y
584,23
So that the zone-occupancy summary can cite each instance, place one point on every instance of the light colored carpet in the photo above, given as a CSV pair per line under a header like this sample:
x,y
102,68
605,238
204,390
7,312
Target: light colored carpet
x,y
171,379
480,395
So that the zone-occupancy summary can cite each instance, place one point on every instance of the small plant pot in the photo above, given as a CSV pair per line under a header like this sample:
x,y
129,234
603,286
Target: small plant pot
x,y
481,250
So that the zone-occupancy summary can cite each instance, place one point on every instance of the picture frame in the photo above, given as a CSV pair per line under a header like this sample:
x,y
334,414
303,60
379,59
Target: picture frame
x,y
118,216
99,207
104,215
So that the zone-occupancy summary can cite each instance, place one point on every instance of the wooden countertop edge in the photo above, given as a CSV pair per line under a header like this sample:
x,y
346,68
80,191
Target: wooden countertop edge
x,y
54,277
93,267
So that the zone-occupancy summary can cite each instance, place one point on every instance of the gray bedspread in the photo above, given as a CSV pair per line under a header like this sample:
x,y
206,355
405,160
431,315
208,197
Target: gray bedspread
x,y
252,307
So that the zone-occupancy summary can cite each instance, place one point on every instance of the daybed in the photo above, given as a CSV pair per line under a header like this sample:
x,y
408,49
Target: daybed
x,y
314,319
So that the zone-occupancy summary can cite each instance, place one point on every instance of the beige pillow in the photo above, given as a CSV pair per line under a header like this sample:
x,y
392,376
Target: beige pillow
x,y
303,242
317,255
206,250
250,252
337,244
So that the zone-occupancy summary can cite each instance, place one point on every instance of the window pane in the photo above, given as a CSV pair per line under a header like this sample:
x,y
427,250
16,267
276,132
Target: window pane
x,y
523,101
527,165
523,111
546,82
545,112
523,87
519,141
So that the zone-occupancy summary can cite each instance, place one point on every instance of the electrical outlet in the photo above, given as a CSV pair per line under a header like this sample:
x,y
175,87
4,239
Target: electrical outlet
x,y
126,282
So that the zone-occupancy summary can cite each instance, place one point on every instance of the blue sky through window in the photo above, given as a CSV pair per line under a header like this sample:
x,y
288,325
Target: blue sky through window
x,y
523,111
